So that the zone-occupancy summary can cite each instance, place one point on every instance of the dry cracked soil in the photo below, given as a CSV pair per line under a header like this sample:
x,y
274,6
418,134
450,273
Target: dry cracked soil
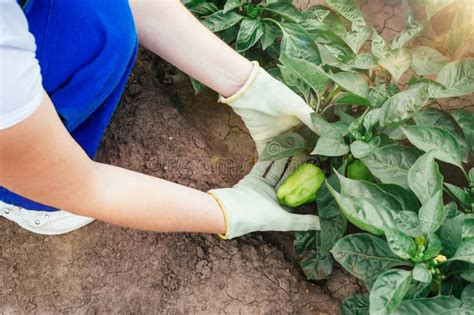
x,y
162,129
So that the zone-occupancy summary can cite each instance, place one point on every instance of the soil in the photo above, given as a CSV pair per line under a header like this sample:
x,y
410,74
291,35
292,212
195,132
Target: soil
x,y
161,128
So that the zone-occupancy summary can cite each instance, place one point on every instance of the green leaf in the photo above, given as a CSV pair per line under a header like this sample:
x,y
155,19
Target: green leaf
x,y
270,34
465,119
468,296
359,148
220,21
444,146
433,247
379,47
421,273
424,177
442,119
330,146
400,243
378,95
362,189
404,105
450,235
197,86
367,214
310,73
391,163
251,30
346,98
460,194
229,35
348,9
351,82
357,304
356,38
297,42
426,60
460,31
283,146
412,30
316,263
408,222
405,197
397,62
285,10
434,6
417,290
231,5
423,306
325,128
388,291
457,77
364,61
204,8
465,251
291,79
432,213
365,256
468,226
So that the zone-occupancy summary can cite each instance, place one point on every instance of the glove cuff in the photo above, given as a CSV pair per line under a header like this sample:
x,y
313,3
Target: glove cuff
x,y
224,212
244,88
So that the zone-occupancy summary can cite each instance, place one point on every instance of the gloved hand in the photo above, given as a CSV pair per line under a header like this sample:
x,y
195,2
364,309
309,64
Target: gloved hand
x,y
268,107
251,205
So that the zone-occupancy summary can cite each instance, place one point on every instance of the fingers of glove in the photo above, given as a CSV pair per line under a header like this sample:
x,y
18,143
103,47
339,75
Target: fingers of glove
x,y
303,112
303,222
295,161
260,168
276,170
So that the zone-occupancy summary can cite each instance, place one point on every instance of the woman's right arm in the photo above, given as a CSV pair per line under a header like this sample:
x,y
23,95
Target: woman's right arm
x,y
41,161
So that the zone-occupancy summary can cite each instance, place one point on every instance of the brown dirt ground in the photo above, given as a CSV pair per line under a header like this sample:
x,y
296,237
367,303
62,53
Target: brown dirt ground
x,y
163,130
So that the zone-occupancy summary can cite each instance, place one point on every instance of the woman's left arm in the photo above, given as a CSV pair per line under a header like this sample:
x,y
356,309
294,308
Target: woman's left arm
x,y
169,30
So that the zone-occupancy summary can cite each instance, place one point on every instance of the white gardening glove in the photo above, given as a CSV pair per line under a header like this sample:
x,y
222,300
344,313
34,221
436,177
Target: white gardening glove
x,y
251,205
268,107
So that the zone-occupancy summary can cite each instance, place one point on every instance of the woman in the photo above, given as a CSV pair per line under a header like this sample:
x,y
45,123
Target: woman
x,y
63,67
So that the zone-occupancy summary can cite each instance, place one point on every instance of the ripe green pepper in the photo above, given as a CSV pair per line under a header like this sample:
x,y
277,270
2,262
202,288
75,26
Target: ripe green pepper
x,y
358,171
301,186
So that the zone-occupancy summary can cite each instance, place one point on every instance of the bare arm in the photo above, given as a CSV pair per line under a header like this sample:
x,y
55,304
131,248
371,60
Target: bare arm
x,y
40,160
169,30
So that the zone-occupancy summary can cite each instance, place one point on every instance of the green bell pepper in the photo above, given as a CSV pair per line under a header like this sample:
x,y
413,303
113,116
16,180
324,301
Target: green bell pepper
x,y
358,171
301,186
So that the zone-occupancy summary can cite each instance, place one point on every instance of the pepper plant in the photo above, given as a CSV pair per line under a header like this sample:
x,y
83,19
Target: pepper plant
x,y
387,149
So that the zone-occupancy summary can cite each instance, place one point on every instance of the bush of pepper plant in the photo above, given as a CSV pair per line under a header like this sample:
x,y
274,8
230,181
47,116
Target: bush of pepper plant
x,y
387,151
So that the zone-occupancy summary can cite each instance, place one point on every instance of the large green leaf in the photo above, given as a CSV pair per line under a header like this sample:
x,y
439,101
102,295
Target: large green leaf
x,y
292,80
424,177
421,273
365,256
251,30
444,146
285,10
351,82
270,34
325,128
220,21
423,306
400,243
362,189
359,148
412,30
231,5
316,263
434,6
450,235
432,213
283,146
203,9
297,42
442,119
468,226
465,251
313,75
388,291
348,9
391,163
347,98
397,62
426,60
462,195
465,119
457,77
331,145
363,61
357,304
367,214
468,296
408,222
405,197
379,46
356,38
404,105
378,95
